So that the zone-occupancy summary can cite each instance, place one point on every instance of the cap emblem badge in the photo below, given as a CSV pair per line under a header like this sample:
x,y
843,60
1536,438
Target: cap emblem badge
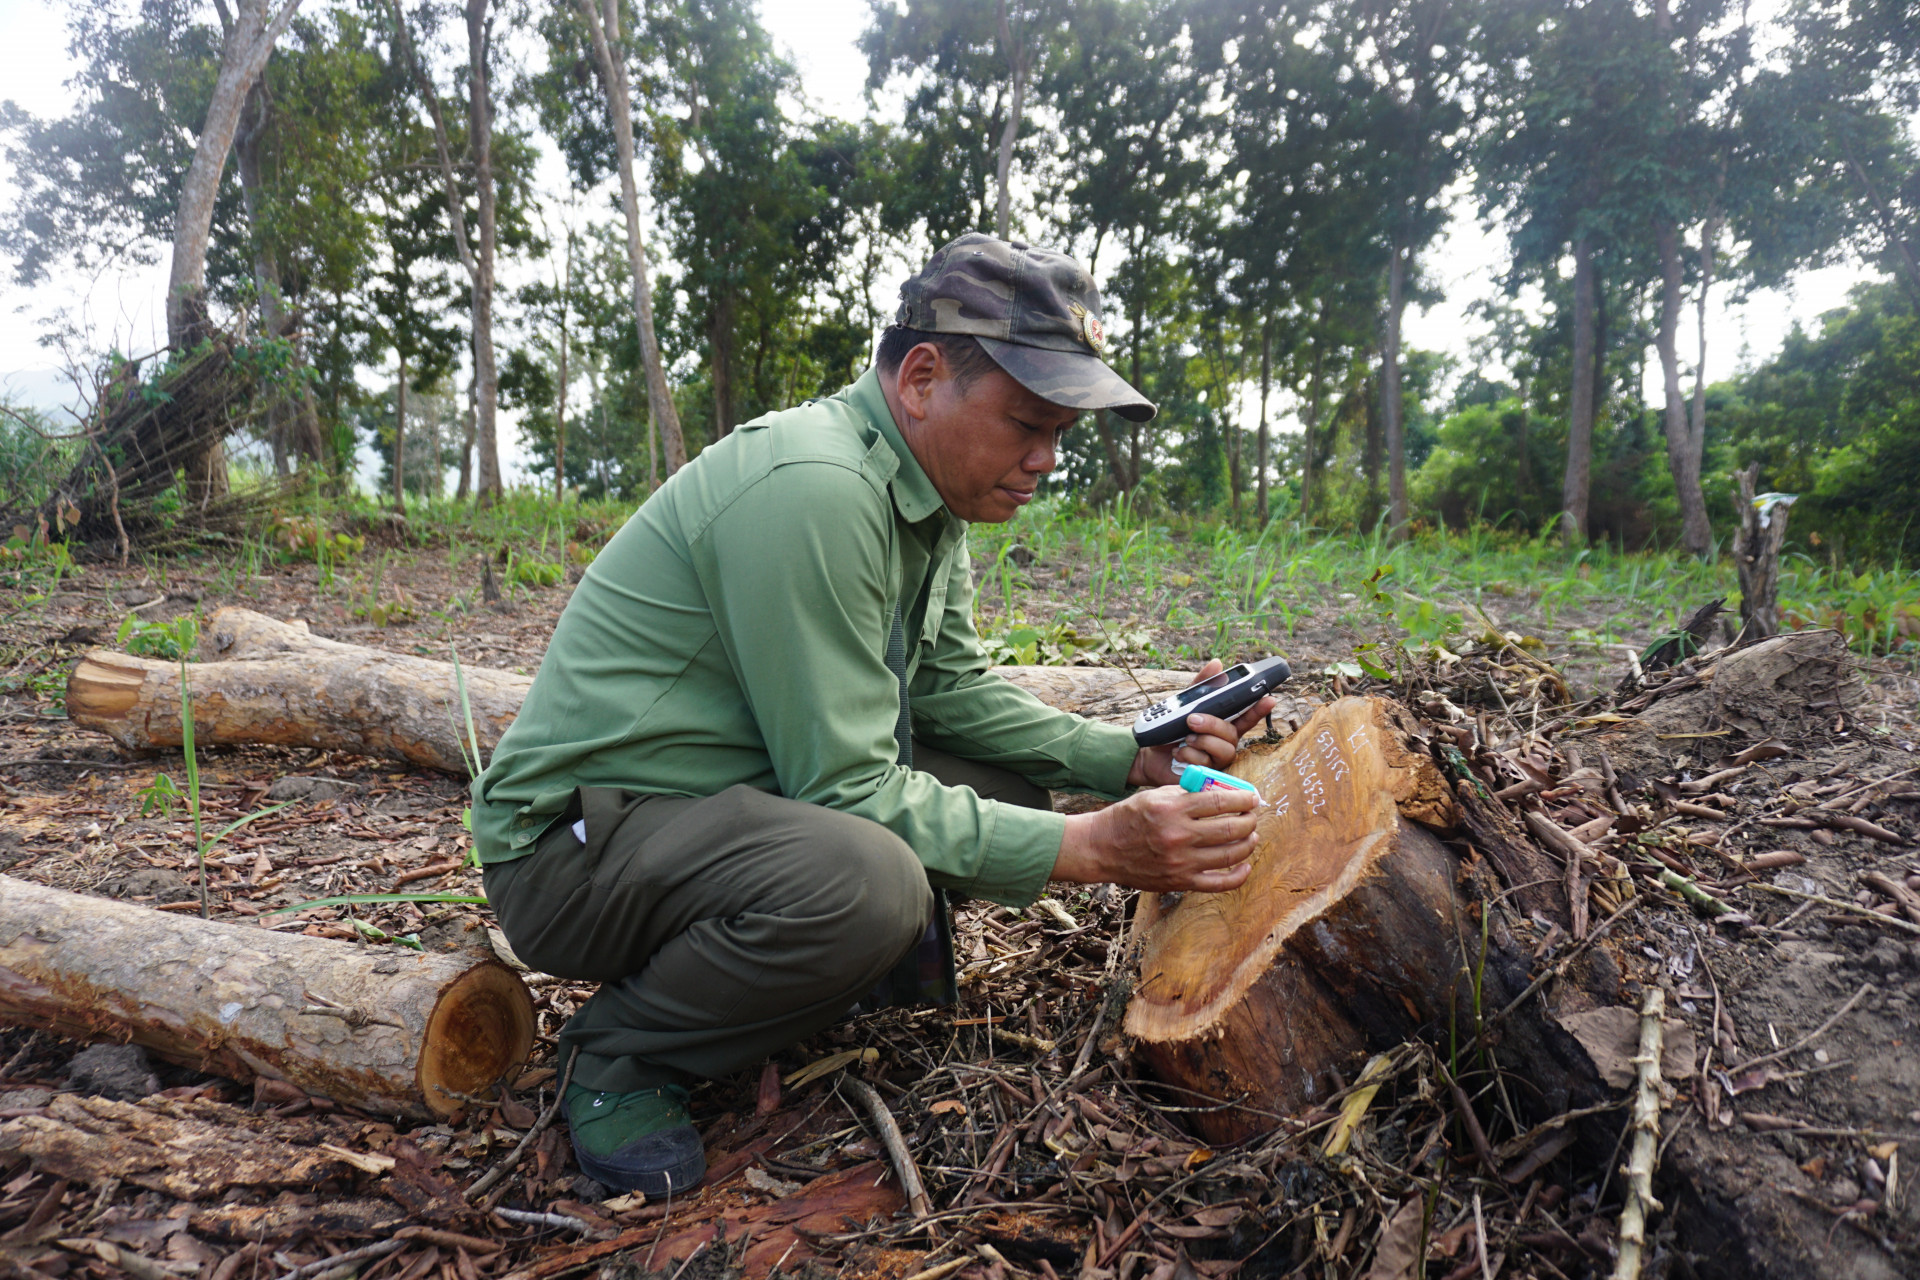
x,y
1090,328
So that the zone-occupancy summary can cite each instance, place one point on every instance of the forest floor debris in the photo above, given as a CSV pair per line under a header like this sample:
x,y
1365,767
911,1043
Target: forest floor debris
x,y
1787,1151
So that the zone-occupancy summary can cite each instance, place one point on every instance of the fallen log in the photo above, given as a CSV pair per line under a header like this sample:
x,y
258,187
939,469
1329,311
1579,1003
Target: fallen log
x,y
1357,930
392,1032
275,683
163,1147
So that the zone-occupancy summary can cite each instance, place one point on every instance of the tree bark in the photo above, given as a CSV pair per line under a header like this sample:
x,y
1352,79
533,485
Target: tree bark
x,y
720,347
243,55
400,436
480,143
560,411
1265,446
1709,234
240,1001
1316,393
294,421
613,75
1352,935
1683,445
1009,134
465,489
1116,461
276,683
1397,520
1756,558
1573,493
478,264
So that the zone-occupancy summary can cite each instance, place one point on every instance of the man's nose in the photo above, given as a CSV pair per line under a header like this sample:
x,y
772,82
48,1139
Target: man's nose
x,y
1042,458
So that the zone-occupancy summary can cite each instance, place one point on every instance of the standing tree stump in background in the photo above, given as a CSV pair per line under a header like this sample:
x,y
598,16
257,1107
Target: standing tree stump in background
x,y
1756,555
1352,934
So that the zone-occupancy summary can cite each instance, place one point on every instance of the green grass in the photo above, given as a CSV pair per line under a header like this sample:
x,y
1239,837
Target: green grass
x,y
1223,587
1250,586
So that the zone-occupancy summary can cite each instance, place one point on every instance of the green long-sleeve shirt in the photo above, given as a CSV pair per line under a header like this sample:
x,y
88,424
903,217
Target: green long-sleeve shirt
x,y
735,631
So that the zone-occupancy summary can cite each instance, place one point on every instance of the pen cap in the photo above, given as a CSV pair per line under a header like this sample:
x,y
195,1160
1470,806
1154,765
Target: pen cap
x,y
1197,777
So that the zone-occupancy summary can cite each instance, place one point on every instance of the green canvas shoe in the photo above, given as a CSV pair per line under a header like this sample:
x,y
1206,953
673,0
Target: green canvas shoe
x,y
642,1141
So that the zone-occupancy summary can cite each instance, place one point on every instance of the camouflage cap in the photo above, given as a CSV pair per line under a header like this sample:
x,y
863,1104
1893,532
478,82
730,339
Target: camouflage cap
x,y
1036,312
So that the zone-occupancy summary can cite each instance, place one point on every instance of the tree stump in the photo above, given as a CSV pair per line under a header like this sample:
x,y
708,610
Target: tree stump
x,y
1352,934
1756,556
393,1032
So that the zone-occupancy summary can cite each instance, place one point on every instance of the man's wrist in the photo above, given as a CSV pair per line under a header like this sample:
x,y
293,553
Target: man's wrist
x,y
1079,861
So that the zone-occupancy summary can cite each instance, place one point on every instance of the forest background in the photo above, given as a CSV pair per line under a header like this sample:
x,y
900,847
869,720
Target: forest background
x,y
1262,190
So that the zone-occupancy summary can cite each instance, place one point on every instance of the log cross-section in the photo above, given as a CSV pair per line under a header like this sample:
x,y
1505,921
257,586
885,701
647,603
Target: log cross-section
x,y
394,1032
1345,936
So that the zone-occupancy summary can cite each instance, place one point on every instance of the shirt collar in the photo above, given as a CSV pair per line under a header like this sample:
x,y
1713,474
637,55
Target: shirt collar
x,y
913,494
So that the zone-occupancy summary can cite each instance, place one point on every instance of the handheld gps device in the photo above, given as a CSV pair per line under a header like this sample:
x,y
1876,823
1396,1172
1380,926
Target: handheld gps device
x,y
1225,695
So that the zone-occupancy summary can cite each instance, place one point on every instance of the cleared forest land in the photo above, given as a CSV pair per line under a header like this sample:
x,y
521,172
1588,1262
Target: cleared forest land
x,y
1789,1134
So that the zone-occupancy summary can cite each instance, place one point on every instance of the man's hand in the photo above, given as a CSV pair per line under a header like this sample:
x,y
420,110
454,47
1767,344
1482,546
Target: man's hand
x,y
1212,742
1163,839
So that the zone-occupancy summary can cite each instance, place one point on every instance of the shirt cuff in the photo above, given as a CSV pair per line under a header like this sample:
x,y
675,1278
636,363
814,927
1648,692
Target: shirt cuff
x,y
1022,845
1104,758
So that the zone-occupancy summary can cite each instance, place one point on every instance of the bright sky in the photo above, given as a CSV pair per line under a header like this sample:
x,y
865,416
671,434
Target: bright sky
x,y
819,36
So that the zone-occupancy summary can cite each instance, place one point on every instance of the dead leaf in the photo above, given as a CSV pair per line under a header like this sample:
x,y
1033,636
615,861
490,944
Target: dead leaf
x,y
1398,1257
1611,1037
948,1106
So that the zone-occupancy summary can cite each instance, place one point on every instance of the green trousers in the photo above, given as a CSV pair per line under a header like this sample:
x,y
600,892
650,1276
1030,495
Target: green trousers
x,y
721,929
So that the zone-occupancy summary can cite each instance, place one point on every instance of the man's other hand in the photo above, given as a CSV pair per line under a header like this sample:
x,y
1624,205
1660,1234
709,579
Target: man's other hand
x,y
1163,839
1210,741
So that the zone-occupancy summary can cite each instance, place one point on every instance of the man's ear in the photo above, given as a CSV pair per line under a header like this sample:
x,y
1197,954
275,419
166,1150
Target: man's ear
x,y
921,370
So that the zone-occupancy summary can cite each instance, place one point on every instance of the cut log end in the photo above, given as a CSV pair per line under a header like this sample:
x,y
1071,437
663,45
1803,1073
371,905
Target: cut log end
x,y
104,688
481,1029
1344,934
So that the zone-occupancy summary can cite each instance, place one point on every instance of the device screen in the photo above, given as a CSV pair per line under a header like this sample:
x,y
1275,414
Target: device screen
x,y
1208,686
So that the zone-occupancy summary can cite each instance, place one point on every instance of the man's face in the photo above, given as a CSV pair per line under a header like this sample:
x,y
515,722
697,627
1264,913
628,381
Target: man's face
x,y
985,447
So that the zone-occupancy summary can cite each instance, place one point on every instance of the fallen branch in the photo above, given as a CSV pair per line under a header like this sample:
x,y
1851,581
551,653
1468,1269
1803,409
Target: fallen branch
x,y
1891,922
378,1250
896,1145
1646,1138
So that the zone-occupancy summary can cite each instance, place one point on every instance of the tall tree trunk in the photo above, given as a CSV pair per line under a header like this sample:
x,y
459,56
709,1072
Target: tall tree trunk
x,y
1316,393
293,419
613,75
480,139
1573,492
1116,461
1683,447
1010,133
400,435
1709,234
465,489
1133,360
720,350
478,264
1390,396
248,41
243,55
1265,446
560,411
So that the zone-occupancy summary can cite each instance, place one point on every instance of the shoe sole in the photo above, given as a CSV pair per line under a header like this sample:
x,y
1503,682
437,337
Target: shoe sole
x,y
654,1182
